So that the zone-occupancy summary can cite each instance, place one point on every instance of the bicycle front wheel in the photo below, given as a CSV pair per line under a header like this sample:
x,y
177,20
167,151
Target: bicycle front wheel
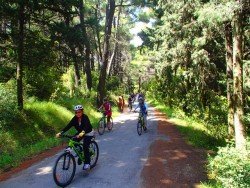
x,y
139,128
94,153
110,126
64,169
101,126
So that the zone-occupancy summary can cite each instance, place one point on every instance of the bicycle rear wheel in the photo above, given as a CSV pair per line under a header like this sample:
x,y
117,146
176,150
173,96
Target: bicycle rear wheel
x,y
110,126
64,169
94,153
101,126
139,128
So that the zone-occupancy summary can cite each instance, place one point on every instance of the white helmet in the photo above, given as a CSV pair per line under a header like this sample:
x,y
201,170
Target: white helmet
x,y
78,107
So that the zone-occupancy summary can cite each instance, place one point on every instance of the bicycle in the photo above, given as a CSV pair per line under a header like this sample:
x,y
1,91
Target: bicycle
x,y
141,124
103,124
65,165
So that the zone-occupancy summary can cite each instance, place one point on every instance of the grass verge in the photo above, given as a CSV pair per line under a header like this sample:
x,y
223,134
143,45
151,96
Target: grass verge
x,y
193,130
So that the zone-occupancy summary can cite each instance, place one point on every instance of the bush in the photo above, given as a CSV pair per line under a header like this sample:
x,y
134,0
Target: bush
x,y
230,167
8,105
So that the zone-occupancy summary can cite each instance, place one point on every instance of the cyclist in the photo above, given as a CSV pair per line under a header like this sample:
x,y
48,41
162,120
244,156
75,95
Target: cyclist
x,y
144,110
106,106
84,131
130,101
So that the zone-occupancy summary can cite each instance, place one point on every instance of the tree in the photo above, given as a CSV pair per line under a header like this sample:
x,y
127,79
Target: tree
x,y
110,10
229,60
240,140
87,46
19,74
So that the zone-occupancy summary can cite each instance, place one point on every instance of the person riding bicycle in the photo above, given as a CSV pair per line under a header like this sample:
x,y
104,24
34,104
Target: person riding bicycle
x,y
106,106
144,110
83,126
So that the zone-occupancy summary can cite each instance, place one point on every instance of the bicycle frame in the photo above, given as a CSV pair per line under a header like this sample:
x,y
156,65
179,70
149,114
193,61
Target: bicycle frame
x,y
140,118
72,144
104,117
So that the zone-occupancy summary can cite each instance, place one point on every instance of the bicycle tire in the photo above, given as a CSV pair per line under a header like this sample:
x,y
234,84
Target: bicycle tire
x,y
55,175
101,126
139,128
93,146
110,127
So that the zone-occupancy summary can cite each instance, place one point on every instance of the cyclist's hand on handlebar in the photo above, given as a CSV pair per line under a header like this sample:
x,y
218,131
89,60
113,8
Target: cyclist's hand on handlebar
x,y
58,135
81,134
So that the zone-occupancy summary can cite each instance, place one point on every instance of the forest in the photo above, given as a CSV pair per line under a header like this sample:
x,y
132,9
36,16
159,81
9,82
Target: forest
x,y
192,59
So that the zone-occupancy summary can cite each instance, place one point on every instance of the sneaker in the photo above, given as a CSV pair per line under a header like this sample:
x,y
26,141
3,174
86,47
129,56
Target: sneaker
x,y
86,167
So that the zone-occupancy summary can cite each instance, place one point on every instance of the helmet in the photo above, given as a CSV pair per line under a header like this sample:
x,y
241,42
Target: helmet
x,y
78,107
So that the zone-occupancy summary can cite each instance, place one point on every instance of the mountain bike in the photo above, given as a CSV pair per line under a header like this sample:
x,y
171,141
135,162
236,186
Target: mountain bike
x,y
141,124
65,165
102,124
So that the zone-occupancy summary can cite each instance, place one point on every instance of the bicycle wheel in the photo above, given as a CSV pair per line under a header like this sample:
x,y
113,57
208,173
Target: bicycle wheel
x,y
110,126
139,128
101,126
64,169
94,153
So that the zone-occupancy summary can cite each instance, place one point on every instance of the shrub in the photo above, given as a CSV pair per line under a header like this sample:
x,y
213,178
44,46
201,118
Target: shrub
x,y
230,167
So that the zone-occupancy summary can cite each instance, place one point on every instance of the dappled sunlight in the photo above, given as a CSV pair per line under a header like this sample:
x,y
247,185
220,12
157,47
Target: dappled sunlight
x,y
177,154
166,181
144,159
44,170
120,164
135,148
107,139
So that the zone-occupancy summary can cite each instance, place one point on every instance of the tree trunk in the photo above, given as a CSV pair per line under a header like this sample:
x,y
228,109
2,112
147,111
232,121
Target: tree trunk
x,y
98,34
76,72
87,47
110,9
229,60
19,73
116,39
92,60
240,139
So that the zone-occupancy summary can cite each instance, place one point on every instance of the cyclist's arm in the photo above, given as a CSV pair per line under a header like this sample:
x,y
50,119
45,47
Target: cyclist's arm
x,y
87,128
70,124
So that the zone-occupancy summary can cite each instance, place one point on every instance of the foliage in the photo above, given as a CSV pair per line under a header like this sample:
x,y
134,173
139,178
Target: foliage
x,y
231,167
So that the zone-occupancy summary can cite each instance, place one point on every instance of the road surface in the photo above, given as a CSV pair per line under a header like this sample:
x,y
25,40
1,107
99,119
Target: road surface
x,y
121,159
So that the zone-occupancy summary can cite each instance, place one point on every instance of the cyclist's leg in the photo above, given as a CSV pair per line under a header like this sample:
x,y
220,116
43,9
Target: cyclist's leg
x,y
86,144
108,120
145,121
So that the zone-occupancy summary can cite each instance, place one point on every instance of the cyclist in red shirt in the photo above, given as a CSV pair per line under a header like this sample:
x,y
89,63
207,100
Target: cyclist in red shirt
x,y
106,106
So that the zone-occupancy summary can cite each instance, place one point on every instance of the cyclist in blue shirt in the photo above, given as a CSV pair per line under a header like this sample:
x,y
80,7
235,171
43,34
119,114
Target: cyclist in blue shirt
x,y
143,109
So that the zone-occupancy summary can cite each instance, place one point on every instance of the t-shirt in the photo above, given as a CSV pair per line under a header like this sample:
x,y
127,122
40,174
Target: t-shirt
x,y
107,108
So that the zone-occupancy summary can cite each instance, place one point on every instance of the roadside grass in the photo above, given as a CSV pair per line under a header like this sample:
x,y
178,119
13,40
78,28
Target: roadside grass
x,y
193,130
33,130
